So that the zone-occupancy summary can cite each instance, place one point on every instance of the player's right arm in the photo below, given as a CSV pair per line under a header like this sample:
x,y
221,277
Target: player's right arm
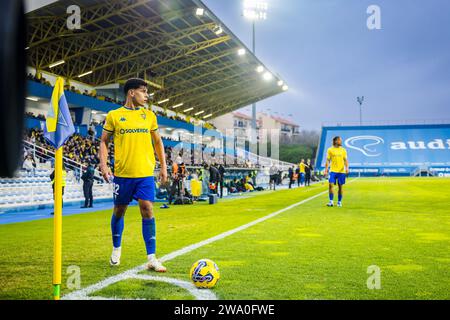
x,y
105,170
327,163
108,131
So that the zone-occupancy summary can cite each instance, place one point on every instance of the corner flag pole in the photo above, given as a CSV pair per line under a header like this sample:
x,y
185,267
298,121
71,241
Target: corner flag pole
x,y
58,129
57,225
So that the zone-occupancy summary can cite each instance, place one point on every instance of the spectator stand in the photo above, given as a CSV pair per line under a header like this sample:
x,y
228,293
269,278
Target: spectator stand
x,y
27,191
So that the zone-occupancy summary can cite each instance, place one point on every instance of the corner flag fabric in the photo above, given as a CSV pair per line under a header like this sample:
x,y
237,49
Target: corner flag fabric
x,y
58,125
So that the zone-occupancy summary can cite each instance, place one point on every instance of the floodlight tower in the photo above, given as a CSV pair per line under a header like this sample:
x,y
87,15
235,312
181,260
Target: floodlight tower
x,y
255,10
360,100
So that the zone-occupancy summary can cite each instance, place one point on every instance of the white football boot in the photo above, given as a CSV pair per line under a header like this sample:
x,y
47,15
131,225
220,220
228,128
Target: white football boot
x,y
155,264
115,256
339,204
330,204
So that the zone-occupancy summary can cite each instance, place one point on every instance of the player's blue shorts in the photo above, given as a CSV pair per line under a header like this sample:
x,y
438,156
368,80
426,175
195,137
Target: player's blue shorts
x,y
127,189
337,177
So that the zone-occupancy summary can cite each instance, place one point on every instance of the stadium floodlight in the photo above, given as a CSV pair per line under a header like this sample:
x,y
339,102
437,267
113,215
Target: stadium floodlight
x,y
260,69
208,116
255,9
57,63
163,101
199,113
218,31
285,88
32,99
360,100
85,74
268,76
200,11
280,83
94,112
242,52
27,48
189,109
177,105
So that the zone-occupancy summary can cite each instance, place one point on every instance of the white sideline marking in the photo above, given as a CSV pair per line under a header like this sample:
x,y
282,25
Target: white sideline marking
x,y
83,294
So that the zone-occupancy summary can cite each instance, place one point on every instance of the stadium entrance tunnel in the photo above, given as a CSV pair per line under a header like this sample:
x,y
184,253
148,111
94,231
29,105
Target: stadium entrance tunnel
x,y
142,287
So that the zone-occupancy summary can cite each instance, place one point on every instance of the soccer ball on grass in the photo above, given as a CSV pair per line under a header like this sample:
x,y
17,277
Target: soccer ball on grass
x,y
204,274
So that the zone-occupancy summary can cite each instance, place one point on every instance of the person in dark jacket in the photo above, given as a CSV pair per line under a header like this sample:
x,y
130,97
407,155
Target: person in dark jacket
x,y
222,174
214,178
297,173
291,176
88,183
52,178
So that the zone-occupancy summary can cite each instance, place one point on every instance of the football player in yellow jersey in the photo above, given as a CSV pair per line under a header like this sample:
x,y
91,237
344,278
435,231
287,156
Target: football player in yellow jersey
x,y
136,138
301,176
338,162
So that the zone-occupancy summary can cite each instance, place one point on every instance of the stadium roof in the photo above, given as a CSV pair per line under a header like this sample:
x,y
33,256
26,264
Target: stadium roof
x,y
171,43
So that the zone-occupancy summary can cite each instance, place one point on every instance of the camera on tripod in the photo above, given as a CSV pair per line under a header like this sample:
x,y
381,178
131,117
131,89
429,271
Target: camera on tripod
x,y
178,193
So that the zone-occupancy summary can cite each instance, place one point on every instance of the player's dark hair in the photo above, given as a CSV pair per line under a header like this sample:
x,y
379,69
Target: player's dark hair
x,y
134,83
335,139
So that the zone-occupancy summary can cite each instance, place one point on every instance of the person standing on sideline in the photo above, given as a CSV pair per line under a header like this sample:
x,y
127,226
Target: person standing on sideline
x,y
214,178
308,171
52,178
302,172
88,183
291,176
221,179
273,173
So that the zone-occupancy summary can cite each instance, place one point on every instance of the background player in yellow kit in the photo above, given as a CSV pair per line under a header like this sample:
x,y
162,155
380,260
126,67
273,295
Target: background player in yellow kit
x,y
302,172
337,157
133,129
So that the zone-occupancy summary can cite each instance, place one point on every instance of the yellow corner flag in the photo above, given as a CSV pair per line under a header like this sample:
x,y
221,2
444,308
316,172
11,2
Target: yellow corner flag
x,y
58,128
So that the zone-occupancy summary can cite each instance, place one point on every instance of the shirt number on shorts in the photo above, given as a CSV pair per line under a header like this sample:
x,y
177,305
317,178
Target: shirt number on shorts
x,y
115,190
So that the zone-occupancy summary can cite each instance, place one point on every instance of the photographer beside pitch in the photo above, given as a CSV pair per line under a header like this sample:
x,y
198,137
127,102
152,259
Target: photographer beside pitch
x,y
133,129
337,157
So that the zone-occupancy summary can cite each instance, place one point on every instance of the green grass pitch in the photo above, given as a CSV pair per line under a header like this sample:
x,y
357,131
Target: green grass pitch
x,y
401,225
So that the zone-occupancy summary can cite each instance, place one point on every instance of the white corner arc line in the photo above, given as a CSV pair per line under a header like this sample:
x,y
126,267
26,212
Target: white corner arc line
x,y
83,294
199,294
